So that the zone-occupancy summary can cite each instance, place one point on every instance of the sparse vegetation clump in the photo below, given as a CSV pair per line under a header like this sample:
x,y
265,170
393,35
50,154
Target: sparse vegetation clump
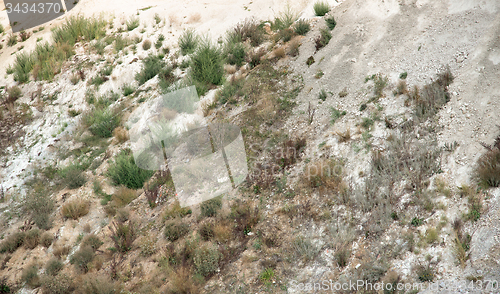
x,y
101,121
206,66
12,242
321,8
175,229
53,267
123,235
248,30
39,205
82,258
152,66
323,39
132,23
188,42
75,208
285,19
331,22
206,259
302,27
124,171
210,207
487,170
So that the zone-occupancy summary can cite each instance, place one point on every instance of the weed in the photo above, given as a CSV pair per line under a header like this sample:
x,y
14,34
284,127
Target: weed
x,y
176,211
248,30
152,66
235,53
188,42
157,18
124,171
146,44
72,176
367,123
123,196
425,273
46,239
302,27
321,8
11,243
487,169
98,284
58,284
330,22
82,258
175,229
266,275
417,221
322,95
30,276
401,88
101,122
13,93
207,65
93,241
319,74
380,83
336,114
12,40
433,96
32,238
39,205
22,67
123,236
121,134
132,23
128,89
75,208
431,236
304,248
293,47
53,266
284,20
403,75
342,256
310,61
210,207
206,259
323,39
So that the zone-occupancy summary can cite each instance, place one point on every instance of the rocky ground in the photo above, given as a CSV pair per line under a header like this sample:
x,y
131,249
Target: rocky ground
x,y
388,214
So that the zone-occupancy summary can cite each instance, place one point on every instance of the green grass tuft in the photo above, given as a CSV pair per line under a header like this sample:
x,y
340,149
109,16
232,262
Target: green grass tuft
x,y
188,42
321,8
124,171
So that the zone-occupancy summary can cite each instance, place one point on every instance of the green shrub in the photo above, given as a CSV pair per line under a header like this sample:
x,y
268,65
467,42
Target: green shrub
x,y
128,89
304,248
101,122
93,241
330,22
487,170
77,27
32,238
206,259
75,208
323,39
72,176
22,67
11,243
46,239
39,205
152,66
321,8
123,236
285,19
159,41
235,53
82,258
248,30
266,275
124,171
175,229
417,221
123,196
188,42
146,44
132,23
99,284
206,231
210,207
207,65
59,284
302,27
53,267
30,276
12,40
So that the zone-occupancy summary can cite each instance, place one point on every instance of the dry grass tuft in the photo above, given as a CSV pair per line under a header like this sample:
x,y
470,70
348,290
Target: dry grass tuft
x,y
121,134
75,208
279,52
124,196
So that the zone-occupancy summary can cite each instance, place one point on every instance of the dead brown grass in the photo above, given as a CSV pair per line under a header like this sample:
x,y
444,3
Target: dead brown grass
x,y
123,196
121,134
75,208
